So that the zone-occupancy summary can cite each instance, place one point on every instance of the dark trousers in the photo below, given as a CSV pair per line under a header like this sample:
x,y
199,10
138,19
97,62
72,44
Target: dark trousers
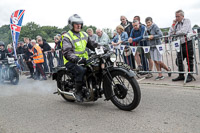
x,y
183,54
60,59
144,62
130,60
40,70
50,59
46,69
30,66
79,71
21,63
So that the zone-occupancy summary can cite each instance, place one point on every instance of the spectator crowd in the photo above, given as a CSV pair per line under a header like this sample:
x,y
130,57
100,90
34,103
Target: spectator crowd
x,y
127,33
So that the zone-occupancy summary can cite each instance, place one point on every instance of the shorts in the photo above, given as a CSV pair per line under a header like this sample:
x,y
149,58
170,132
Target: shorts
x,y
155,54
140,50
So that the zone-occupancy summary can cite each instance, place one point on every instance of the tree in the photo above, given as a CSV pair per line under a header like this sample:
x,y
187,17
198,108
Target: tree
x,y
195,26
50,32
66,28
165,31
31,30
86,27
108,32
5,34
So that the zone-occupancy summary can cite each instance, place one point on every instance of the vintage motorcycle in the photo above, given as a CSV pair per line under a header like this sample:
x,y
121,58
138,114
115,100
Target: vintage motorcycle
x,y
117,83
8,71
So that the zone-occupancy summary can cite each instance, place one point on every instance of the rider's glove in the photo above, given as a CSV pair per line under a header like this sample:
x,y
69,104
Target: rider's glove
x,y
81,60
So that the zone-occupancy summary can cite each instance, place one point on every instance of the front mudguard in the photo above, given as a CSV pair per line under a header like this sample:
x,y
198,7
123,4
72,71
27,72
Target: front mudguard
x,y
107,81
130,73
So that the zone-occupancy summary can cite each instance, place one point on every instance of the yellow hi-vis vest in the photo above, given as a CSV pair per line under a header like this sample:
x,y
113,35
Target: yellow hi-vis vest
x,y
79,44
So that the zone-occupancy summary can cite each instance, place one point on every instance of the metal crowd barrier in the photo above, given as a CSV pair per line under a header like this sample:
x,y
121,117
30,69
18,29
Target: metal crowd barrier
x,y
168,49
51,60
198,42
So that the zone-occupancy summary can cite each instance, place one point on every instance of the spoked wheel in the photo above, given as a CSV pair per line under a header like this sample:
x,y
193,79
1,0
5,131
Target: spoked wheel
x,y
14,76
62,82
125,93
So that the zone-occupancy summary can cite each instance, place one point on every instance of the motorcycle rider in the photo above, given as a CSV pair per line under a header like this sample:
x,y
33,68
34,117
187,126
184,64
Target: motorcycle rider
x,y
74,44
3,51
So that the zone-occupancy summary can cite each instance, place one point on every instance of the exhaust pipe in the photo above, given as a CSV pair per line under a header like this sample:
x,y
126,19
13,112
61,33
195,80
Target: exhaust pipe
x,y
68,95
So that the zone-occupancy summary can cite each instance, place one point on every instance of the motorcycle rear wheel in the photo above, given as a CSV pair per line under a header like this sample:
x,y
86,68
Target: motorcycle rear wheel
x,y
61,81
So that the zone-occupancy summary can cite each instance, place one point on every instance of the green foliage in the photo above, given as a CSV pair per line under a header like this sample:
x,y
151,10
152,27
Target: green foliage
x,y
165,31
5,34
66,28
31,30
92,27
108,31
195,26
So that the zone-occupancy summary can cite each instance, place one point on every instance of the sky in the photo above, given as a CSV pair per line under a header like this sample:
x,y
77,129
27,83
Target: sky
x,y
100,13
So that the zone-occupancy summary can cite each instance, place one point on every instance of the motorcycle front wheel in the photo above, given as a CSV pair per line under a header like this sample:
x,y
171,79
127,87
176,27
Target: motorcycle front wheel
x,y
124,91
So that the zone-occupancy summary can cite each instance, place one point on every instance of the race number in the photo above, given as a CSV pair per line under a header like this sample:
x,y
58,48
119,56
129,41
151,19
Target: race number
x,y
99,51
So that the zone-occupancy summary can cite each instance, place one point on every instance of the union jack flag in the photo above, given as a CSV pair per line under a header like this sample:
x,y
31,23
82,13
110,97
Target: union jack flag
x,y
15,24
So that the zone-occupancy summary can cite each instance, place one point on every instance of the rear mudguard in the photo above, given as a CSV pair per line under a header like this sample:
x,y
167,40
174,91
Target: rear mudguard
x,y
106,80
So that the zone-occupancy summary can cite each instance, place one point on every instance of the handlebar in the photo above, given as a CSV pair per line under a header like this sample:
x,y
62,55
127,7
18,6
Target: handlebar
x,y
107,53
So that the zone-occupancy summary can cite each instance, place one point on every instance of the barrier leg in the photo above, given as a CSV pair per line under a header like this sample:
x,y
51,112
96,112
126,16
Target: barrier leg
x,y
170,46
195,58
186,76
199,48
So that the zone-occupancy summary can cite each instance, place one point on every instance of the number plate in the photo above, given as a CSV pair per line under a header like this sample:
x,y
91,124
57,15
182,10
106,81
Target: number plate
x,y
99,51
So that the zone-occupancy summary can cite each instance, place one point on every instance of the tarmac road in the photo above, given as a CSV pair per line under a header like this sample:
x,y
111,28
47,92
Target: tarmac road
x,y
31,107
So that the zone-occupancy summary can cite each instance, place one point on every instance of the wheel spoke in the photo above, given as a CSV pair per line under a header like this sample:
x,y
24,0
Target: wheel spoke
x,y
129,96
128,99
119,80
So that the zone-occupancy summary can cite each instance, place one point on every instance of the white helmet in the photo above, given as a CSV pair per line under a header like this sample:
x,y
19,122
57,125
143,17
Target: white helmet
x,y
75,19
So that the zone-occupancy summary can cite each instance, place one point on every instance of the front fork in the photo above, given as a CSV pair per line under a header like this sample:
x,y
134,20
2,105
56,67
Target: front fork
x,y
107,74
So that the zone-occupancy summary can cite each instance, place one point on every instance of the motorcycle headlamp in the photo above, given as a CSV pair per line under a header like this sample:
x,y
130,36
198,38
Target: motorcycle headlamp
x,y
113,57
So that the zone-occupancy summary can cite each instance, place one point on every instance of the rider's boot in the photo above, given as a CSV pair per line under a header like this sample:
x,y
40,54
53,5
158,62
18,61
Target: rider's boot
x,y
79,93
